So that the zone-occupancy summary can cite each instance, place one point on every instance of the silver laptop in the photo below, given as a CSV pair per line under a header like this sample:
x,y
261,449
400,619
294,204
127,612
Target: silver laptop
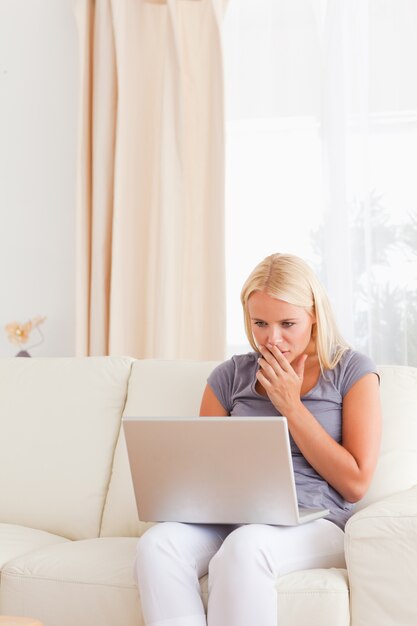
x,y
214,470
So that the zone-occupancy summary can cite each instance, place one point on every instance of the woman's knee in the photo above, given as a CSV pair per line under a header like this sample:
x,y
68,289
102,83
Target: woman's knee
x,y
245,545
181,542
156,542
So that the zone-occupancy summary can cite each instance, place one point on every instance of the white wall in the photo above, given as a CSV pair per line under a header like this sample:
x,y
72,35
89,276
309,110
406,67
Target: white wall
x,y
38,118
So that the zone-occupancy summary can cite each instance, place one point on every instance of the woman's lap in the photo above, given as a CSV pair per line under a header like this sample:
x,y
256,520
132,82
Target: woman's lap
x,y
243,562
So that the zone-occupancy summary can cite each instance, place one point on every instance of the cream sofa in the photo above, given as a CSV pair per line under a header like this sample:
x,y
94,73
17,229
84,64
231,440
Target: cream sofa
x,y
68,523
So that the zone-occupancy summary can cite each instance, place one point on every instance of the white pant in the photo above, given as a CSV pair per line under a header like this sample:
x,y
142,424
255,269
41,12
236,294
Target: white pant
x,y
243,563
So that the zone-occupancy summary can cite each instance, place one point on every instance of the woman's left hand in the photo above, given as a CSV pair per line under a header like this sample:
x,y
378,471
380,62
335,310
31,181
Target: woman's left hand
x,y
281,380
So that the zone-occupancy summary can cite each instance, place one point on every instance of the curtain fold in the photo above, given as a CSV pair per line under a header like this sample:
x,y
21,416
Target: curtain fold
x,y
151,183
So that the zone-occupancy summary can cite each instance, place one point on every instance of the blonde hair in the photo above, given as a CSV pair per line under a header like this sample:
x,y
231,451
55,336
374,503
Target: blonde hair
x,y
289,278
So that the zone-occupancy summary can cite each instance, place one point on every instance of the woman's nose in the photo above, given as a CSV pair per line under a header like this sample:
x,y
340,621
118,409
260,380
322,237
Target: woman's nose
x,y
274,336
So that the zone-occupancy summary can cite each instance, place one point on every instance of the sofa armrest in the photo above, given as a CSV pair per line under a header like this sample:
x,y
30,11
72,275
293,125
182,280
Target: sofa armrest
x,y
381,557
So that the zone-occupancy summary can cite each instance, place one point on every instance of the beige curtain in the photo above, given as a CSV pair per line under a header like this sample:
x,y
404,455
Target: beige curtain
x,y
150,214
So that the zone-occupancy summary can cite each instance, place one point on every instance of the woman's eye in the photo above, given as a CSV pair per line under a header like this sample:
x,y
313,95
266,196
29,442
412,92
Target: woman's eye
x,y
260,324
287,324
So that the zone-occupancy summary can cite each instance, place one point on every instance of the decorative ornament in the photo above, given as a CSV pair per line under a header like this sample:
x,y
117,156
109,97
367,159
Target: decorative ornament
x,y
19,334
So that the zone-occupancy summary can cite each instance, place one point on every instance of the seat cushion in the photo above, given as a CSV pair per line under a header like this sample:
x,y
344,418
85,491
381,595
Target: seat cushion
x,y
16,541
317,597
87,583
90,583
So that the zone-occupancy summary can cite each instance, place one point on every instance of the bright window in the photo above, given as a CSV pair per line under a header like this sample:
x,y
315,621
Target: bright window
x,y
321,155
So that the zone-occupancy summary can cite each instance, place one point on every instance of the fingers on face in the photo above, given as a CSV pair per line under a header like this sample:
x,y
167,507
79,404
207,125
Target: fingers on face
x,y
266,369
263,379
275,358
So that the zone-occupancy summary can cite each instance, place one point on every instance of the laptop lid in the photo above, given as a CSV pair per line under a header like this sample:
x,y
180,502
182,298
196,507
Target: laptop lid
x,y
228,470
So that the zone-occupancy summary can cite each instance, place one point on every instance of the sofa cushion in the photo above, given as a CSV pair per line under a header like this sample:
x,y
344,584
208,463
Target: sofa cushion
x,y
397,465
381,554
87,583
317,597
62,416
90,583
156,388
19,540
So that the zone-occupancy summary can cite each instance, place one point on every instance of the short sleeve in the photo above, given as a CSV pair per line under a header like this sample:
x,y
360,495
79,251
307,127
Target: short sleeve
x,y
354,367
221,381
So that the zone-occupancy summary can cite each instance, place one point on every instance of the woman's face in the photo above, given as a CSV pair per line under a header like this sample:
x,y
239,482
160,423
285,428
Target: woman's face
x,y
275,322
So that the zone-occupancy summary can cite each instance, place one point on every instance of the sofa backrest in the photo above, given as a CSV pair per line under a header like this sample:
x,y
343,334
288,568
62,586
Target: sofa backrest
x,y
156,388
397,464
59,424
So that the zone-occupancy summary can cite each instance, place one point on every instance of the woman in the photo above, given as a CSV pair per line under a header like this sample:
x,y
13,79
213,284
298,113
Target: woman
x,y
302,368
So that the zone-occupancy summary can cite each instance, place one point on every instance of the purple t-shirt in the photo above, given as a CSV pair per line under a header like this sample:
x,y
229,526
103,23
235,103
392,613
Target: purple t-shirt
x,y
234,381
